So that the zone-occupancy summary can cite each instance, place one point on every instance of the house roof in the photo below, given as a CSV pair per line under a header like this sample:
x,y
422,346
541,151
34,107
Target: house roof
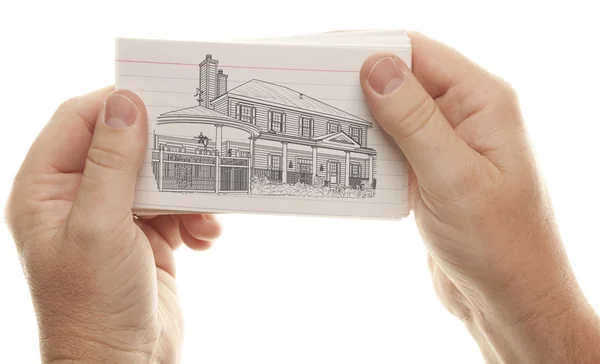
x,y
201,115
285,96
197,111
340,139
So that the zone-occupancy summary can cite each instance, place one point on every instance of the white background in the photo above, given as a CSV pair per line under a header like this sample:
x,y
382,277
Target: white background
x,y
298,290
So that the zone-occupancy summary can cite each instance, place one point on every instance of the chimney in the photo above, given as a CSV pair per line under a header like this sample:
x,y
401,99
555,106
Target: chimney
x,y
208,81
301,96
221,83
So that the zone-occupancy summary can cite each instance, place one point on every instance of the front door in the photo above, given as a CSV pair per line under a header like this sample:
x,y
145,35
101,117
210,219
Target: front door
x,y
334,172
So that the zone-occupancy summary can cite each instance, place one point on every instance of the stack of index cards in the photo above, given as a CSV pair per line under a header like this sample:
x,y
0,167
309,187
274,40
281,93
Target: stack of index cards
x,y
273,126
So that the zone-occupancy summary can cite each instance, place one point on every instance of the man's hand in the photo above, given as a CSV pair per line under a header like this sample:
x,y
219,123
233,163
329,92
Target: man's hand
x,y
102,282
496,256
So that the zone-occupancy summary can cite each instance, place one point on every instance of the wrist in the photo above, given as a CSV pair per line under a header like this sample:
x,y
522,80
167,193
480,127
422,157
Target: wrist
x,y
563,328
87,349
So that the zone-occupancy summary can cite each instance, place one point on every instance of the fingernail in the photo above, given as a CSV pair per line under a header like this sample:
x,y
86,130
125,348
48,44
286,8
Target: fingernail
x,y
385,76
119,112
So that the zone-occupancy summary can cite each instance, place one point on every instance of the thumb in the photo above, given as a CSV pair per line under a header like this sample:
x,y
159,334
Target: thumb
x,y
115,155
407,112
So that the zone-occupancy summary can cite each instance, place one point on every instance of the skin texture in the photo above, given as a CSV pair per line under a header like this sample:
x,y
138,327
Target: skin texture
x,y
495,253
104,292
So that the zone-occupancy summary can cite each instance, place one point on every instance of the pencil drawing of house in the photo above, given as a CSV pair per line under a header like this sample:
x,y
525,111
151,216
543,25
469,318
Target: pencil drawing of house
x,y
261,138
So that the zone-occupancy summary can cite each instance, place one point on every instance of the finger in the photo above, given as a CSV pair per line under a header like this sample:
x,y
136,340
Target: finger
x,y
482,108
174,232
406,111
167,226
115,155
146,217
459,86
202,227
193,242
63,143
437,66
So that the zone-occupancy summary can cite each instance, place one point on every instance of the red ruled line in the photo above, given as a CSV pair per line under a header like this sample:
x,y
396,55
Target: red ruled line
x,y
231,66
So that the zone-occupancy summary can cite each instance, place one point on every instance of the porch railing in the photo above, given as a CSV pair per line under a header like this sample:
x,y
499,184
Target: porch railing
x,y
234,161
187,157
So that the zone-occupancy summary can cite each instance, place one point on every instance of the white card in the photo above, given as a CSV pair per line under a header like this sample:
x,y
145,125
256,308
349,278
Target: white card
x,y
261,128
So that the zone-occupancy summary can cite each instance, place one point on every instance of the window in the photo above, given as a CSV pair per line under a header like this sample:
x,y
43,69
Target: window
x,y
275,162
306,127
355,170
304,165
276,122
333,128
355,134
246,113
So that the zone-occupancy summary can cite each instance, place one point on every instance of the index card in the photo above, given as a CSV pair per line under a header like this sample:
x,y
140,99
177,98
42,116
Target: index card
x,y
262,128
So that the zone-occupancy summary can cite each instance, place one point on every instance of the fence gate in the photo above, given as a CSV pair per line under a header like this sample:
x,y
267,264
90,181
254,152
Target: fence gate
x,y
234,178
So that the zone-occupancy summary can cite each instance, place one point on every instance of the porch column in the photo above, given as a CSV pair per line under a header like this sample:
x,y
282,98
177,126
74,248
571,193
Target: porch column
x,y
218,141
161,166
284,146
219,137
252,151
250,164
347,168
314,161
371,168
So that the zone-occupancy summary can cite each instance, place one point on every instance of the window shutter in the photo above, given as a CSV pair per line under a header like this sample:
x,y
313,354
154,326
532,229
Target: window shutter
x,y
253,115
270,120
312,127
238,111
283,122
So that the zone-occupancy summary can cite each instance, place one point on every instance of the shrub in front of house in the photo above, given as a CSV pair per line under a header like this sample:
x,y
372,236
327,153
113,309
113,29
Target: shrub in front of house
x,y
264,186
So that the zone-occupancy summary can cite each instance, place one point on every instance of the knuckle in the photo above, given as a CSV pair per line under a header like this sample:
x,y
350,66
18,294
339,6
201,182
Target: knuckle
x,y
507,94
17,216
84,228
106,158
11,216
78,228
67,106
415,117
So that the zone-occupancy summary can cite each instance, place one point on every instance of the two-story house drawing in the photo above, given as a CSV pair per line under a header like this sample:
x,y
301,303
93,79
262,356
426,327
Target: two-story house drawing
x,y
260,132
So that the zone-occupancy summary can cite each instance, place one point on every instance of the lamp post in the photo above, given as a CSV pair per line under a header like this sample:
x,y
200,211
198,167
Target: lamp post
x,y
203,139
